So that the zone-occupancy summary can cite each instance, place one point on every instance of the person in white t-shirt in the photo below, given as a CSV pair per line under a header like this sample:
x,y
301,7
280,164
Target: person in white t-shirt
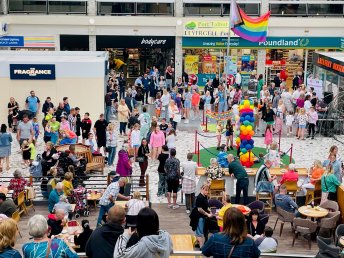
x,y
145,121
266,243
238,78
135,138
171,139
296,95
135,204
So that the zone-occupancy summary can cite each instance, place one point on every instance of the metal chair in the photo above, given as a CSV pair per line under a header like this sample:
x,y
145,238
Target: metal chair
x,y
329,223
217,188
326,248
257,205
304,227
284,217
292,188
16,218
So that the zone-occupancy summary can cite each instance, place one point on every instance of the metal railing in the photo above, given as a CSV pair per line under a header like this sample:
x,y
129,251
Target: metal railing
x,y
199,253
94,182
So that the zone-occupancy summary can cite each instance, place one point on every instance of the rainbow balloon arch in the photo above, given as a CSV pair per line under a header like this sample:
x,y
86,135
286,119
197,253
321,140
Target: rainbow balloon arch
x,y
244,141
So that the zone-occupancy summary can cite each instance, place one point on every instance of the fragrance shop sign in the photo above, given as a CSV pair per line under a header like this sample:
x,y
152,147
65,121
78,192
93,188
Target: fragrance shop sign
x,y
270,43
32,72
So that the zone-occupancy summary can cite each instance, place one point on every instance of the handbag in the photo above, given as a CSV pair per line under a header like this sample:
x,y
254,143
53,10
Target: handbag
x,y
177,118
140,159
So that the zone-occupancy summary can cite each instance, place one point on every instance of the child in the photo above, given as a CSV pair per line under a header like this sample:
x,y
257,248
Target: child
x,y
171,139
312,119
163,126
169,128
289,122
207,102
26,154
266,243
256,116
82,239
274,156
219,129
229,133
158,105
35,126
32,150
268,137
135,139
86,125
296,120
222,157
302,118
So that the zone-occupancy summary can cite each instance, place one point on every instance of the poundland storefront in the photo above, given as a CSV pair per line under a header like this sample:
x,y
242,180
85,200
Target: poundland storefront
x,y
205,56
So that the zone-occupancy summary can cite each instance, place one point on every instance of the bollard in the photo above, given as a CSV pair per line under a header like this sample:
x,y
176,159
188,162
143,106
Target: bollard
x,y
206,125
198,156
291,154
195,142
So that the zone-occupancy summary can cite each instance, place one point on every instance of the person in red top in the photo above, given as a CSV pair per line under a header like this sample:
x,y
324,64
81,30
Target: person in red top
x,y
86,125
195,99
291,175
17,184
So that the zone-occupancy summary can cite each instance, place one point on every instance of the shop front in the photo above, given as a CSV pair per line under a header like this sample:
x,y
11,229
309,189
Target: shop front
x,y
328,76
205,52
135,54
28,43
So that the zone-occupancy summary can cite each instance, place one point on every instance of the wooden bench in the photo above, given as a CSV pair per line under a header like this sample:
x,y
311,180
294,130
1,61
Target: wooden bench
x,y
94,163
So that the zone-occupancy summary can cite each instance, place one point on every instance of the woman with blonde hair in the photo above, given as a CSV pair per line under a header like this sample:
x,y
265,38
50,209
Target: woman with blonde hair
x,y
316,172
173,113
67,184
8,231
135,204
329,184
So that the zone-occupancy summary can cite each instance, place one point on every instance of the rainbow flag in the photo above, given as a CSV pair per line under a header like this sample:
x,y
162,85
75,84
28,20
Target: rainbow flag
x,y
251,29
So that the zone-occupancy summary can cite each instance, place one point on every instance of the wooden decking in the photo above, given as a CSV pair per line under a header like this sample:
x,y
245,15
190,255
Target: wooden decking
x,y
177,222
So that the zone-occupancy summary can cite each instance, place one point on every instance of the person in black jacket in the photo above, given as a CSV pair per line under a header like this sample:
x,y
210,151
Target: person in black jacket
x,y
56,222
47,158
47,105
81,240
254,224
103,239
143,154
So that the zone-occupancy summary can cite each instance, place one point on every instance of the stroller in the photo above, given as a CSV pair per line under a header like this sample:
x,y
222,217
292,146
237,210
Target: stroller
x,y
36,168
79,197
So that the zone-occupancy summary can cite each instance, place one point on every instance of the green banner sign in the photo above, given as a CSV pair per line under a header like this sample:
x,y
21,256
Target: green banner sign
x,y
271,42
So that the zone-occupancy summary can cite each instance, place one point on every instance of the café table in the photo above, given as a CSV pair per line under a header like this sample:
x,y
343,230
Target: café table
x,y
247,209
94,197
313,213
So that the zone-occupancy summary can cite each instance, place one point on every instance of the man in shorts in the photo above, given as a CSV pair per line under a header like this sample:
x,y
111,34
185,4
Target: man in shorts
x,y
25,130
99,130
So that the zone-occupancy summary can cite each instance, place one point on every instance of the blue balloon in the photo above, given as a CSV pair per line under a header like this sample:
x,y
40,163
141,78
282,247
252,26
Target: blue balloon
x,y
251,142
244,142
243,114
252,119
247,117
242,146
242,119
248,147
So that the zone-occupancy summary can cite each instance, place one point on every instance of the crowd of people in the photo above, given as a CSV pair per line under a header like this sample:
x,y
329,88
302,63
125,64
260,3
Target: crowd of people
x,y
148,140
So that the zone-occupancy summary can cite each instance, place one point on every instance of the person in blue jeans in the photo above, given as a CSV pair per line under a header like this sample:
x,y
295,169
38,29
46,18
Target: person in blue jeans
x,y
238,171
222,99
109,197
233,240
111,143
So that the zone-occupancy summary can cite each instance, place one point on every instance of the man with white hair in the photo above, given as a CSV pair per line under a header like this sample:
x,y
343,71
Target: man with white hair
x,y
56,222
109,197
54,196
237,170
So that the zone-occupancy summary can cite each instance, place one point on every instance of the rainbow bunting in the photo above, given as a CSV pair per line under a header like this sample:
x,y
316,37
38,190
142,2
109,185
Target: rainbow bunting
x,y
251,29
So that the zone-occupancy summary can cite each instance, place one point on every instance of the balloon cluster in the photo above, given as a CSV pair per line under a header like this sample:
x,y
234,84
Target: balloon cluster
x,y
244,140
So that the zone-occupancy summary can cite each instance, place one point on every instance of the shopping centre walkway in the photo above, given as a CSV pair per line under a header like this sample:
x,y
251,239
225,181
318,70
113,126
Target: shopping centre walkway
x,y
177,222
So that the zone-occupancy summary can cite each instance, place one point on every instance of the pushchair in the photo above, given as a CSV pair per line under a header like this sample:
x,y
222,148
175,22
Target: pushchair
x,y
36,168
79,197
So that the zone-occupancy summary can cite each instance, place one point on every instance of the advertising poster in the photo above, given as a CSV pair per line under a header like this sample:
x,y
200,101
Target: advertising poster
x,y
247,63
202,78
231,66
191,64
209,64
317,85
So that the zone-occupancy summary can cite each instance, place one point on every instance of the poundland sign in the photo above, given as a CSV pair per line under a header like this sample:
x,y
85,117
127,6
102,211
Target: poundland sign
x,y
271,42
32,72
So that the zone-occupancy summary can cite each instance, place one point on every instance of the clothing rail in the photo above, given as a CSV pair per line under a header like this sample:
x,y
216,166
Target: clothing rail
x,y
199,253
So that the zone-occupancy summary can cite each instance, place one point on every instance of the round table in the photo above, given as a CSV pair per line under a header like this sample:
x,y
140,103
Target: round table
x,y
247,209
314,213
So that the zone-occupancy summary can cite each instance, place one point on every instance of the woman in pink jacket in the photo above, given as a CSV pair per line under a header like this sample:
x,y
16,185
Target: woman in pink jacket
x,y
156,141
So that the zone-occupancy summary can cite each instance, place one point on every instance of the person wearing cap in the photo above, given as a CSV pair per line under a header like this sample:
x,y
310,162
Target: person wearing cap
x,y
7,206
109,197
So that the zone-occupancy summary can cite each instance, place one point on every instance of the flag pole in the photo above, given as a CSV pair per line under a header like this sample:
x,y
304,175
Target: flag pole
x,y
228,40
